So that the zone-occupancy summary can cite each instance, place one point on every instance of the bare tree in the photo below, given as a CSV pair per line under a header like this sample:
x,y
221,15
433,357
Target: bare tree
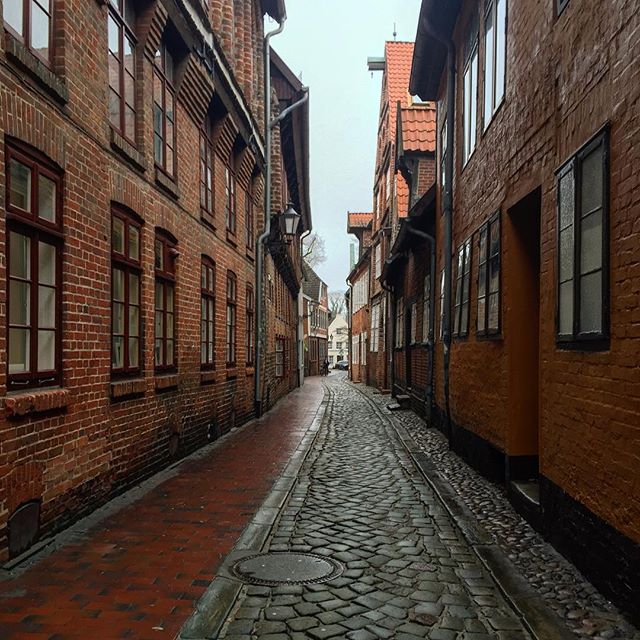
x,y
337,303
313,250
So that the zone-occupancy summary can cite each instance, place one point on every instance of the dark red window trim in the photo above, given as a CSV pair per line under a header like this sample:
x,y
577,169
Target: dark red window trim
x,y
207,171
131,267
125,31
28,223
231,319
164,73
165,250
207,315
250,328
25,37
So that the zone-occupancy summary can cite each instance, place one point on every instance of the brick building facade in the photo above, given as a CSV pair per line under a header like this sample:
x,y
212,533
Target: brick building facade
x,y
131,186
316,321
537,134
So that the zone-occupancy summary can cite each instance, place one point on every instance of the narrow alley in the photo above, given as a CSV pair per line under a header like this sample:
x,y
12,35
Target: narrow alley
x,y
329,472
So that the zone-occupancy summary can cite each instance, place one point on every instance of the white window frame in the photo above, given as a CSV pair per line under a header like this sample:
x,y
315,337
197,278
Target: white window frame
x,y
495,57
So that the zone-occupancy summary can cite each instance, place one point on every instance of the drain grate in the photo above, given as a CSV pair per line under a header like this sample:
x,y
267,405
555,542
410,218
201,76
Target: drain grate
x,y
283,567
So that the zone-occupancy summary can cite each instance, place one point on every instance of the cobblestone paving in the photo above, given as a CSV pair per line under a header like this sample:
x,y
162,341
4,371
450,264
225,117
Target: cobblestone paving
x,y
586,611
409,573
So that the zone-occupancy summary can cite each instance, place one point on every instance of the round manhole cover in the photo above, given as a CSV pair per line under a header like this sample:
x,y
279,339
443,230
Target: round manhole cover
x,y
272,569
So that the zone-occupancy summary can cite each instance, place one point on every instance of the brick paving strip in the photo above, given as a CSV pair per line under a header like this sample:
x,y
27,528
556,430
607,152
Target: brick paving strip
x,y
137,567
412,567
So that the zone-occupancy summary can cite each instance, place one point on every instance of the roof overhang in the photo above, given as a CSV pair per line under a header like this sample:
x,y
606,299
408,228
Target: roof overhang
x,y
435,27
275,8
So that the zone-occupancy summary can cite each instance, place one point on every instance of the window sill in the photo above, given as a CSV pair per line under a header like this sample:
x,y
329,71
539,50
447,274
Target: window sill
x,y
231,238
587,346
207,377
167,183
166,382
127,388
250,370
49,81
493,117
127,150
232,372
491,337
23,403
250,254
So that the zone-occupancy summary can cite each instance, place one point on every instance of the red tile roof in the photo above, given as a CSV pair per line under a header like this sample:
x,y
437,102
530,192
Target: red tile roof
x,y
418,125
357,220
399,57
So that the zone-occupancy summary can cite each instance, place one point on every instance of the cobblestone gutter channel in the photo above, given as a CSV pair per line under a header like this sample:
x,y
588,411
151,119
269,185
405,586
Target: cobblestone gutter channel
x,y
585,611
410,570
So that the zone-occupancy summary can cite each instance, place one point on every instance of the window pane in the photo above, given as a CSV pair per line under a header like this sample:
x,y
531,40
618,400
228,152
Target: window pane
x,y
117,237
117,354
159,255
501,48
19,350
129,52
47,199
46,350
39,30
46,307
114,38
494,275
474,100
481,314
20,195
494,312
118,318
19,303
134,243
565,321
118,285
159,296
592,188
158,353
129,13
129,122
566,203
170,359
591,243
134,321
566,255
12,14
46,263
134,288
159,325
114,109
483,245
169,298
482,281
591,303
134,352
169,325
20,249
488,69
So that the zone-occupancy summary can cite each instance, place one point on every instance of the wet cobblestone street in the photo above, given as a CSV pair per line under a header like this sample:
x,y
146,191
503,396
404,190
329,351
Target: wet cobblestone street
x,y
409,573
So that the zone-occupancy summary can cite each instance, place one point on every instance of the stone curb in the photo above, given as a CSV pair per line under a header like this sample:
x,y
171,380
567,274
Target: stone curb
x,y
216,603
537,617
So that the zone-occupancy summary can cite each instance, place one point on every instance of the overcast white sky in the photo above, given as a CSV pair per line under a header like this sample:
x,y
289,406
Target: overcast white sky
x,y
328,41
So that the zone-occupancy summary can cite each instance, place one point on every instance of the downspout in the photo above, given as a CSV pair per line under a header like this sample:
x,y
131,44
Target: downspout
x,y
301,319
448,215
391,321
260,337
432,313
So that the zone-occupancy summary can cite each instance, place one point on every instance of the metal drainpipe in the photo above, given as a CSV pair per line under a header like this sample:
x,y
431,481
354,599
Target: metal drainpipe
x,y
391,321
260,337
432,313
301,319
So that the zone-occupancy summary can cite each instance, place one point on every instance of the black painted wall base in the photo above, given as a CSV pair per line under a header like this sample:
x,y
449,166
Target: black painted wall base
x,y
607,558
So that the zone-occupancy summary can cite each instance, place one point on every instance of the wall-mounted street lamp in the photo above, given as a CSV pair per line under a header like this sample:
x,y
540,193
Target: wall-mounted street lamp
x,y
289,221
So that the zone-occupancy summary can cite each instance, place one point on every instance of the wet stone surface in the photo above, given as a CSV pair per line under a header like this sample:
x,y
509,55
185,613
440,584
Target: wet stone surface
x,y
585,611
408,571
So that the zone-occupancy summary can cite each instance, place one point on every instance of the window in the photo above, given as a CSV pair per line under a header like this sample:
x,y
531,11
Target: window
x,y
122,73
470,101
207,313
355,349
363,348
248,216
377,257
375,327
30,21
400,323
250,328
280,358
164,263
441,304
463,278
488,322
34,245
164,110
126,321
206,170
426,310
230,199
414,323
495,54
583,280
443,155
232,301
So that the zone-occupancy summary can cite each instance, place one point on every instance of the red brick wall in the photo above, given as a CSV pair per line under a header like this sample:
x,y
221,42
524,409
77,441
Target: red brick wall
x,y
555,102
75,457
